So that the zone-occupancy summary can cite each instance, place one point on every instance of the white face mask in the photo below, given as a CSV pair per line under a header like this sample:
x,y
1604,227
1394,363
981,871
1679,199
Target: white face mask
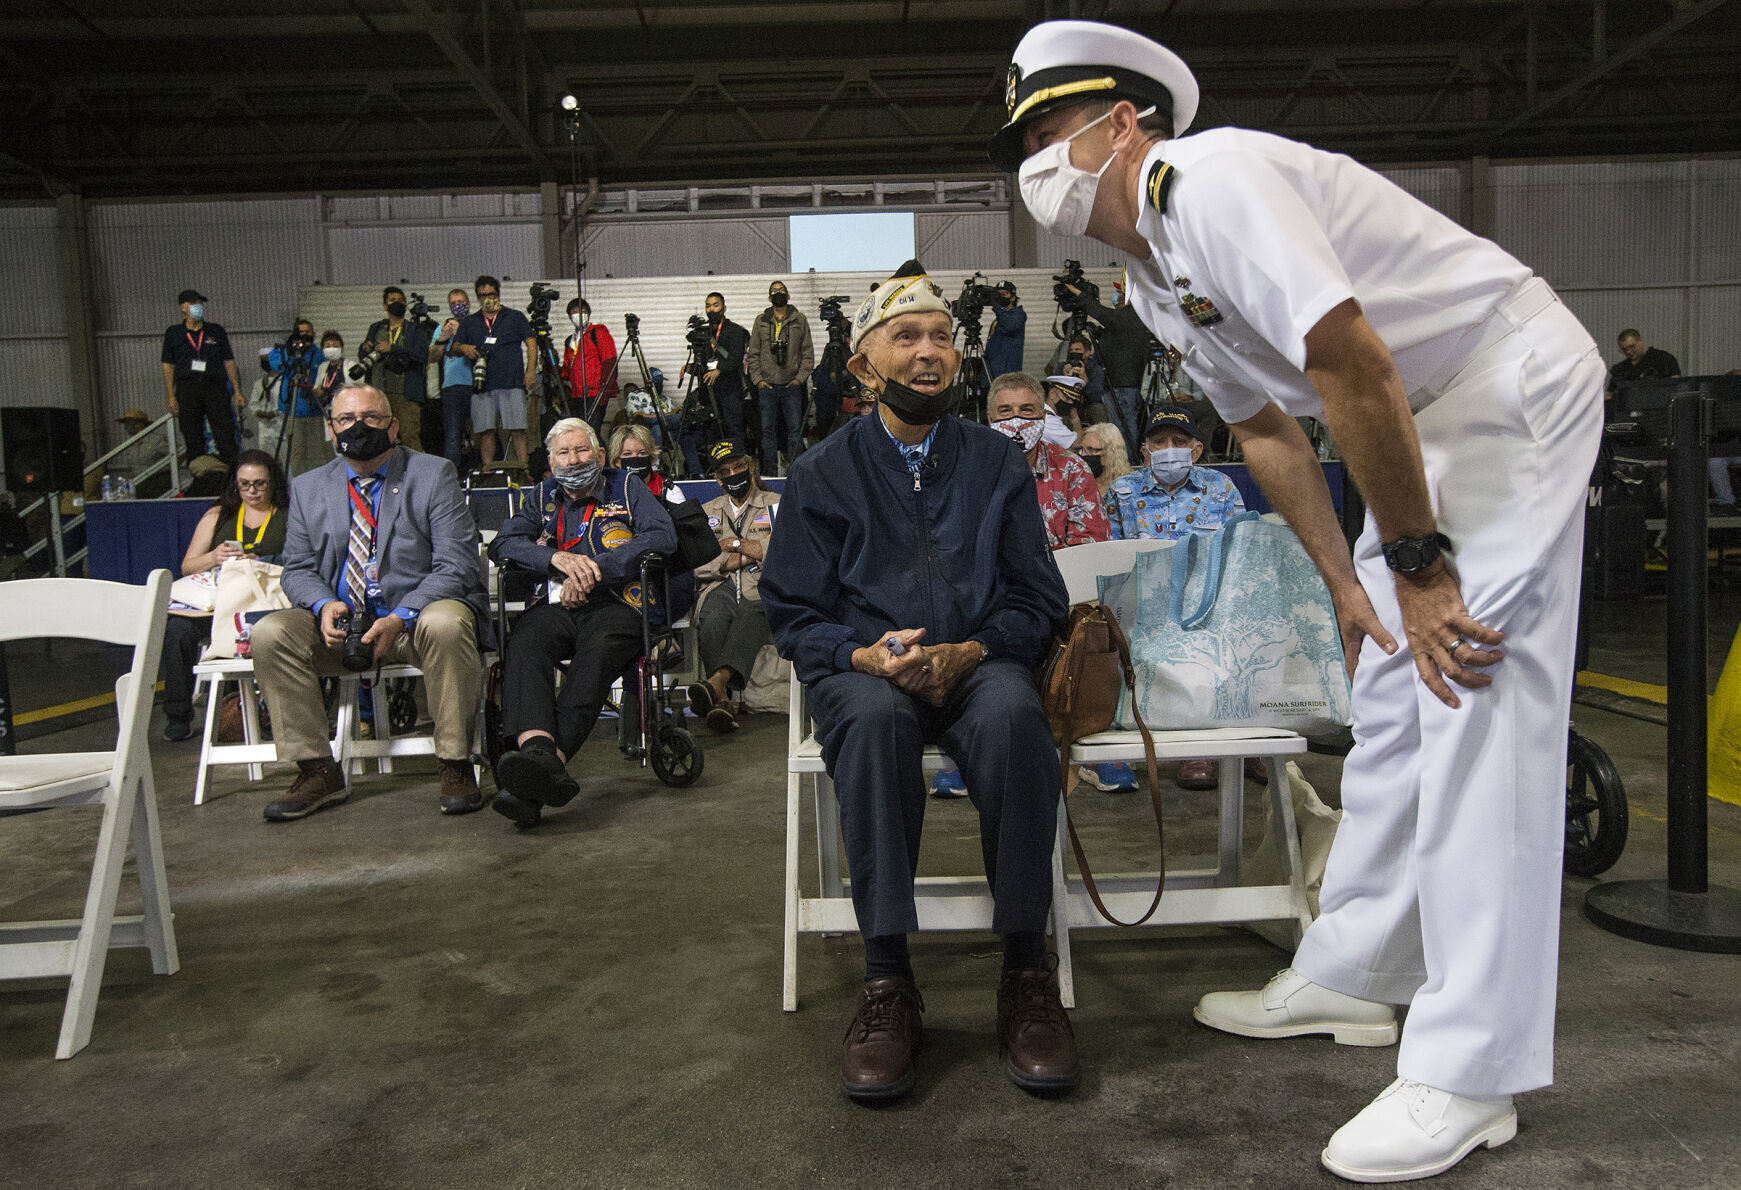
x,y
1058,195
1024,431
1170,464
332,352
574,317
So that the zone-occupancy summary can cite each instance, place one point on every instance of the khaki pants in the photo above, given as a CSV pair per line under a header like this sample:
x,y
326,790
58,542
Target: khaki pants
x,y
290,659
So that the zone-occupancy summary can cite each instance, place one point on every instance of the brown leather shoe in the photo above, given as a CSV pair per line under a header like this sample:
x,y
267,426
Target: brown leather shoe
x,y
1256,770
1039,1047
1199,774
877,1061
459,788
320,783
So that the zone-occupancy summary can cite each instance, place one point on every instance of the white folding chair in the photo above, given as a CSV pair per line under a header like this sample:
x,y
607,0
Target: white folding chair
x,y
943,902
1198,896
252,751
119,781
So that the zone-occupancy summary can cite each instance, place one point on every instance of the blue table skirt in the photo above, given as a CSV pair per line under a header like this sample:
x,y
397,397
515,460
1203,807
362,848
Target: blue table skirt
x,y
128,539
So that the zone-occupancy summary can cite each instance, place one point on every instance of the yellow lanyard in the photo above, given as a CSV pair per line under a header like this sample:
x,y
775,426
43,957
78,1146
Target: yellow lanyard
x,y
393,333
241,538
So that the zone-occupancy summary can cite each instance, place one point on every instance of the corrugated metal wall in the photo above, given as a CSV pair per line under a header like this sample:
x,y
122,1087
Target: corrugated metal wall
x,y
1656,245
33,325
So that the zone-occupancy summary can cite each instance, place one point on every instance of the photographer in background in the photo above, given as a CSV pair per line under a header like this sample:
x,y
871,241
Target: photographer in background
x,y
780,356
830,382
1003,347
196,362
1124,350
503,339
589,360
396,351
456,380
307,381
717,348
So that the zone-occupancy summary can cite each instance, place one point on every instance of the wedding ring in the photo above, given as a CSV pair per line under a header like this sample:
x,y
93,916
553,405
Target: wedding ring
x,y
1457,644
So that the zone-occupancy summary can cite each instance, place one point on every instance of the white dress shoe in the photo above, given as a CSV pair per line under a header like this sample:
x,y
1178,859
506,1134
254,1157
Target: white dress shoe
x,y
1416,1131
1290,1005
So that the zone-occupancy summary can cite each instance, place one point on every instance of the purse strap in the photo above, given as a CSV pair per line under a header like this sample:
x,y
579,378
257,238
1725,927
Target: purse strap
x,y
1117,636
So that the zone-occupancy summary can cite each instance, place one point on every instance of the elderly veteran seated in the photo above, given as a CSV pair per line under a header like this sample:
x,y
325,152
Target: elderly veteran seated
x,y
911,587
732,628
380,534
585,530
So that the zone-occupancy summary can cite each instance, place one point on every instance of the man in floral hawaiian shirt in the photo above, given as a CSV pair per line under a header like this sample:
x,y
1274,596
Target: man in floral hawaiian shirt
x,y
1170,496
1069,497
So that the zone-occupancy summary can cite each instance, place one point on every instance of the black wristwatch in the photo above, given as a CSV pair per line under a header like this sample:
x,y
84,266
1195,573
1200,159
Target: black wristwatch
x,y
1411,555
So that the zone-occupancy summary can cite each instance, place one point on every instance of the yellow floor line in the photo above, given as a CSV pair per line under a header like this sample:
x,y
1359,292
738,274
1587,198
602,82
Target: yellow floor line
x,y
1626,686
69,708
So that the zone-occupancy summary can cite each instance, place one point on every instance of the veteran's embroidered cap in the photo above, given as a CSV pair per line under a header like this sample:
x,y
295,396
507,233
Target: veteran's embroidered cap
x,y
1173,417
909,291
1060,63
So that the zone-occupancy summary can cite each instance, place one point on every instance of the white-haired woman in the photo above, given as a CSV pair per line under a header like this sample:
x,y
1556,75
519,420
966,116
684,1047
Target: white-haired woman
x,y
1107,454
584,531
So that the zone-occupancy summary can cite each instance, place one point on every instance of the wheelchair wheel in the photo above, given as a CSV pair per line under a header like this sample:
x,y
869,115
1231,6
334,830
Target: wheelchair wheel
x,y
1596,815
402,705
676,757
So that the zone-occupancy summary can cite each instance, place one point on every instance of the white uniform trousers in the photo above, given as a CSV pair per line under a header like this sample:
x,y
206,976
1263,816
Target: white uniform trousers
x,y
1442,890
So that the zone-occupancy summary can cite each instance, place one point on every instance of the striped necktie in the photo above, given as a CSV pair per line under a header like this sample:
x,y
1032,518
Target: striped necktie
x,y
362,542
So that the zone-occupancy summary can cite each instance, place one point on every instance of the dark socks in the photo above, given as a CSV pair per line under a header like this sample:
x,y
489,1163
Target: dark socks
x,y
887,955
1024,950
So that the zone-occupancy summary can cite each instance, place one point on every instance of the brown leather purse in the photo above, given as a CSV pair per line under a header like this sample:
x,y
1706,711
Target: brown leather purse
x,y
1079,690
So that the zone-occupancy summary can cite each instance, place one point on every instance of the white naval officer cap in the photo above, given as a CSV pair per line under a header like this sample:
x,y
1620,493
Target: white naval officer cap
x,y
909,291
1061,63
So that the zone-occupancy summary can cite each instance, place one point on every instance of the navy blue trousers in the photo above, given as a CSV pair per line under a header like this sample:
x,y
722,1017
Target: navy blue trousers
x,y
872,736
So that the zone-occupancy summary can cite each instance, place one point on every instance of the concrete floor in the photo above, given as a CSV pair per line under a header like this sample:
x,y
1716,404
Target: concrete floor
x,y
379,996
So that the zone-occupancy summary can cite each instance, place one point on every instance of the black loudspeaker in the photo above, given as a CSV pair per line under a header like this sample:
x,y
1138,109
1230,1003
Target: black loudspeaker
x,y
1614,551
44,450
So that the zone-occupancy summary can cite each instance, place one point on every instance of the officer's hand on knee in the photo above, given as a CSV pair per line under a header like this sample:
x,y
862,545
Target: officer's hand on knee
x,y
1445,639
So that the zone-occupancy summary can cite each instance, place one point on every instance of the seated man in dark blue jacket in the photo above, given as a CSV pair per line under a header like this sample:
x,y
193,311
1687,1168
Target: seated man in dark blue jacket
x,y
909,583
585,531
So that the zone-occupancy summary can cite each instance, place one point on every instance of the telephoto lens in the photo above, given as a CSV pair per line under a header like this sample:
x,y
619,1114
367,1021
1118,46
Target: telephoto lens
x,y
479,368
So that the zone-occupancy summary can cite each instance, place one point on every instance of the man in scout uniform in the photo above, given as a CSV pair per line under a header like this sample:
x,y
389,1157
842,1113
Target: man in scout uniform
x,y
1468,404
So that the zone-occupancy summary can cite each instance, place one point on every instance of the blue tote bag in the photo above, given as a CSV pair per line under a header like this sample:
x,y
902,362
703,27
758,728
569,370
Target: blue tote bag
x,y
1231,629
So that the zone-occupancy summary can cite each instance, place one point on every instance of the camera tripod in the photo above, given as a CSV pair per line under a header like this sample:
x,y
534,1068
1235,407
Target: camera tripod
x,y
699,417
665,424
552,386
975,375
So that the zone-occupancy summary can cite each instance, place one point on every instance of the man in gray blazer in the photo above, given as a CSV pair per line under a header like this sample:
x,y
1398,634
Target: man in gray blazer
x,y
384,527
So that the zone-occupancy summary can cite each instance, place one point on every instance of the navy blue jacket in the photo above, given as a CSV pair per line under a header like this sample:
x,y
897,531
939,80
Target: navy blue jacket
x,y
861,549
628,522
1003,347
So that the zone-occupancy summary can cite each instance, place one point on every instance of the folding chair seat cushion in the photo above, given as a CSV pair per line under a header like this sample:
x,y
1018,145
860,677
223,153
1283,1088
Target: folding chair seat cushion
x,y
46,778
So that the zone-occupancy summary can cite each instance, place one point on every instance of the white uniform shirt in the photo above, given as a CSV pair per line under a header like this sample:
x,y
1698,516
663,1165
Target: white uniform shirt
x,y
1263,236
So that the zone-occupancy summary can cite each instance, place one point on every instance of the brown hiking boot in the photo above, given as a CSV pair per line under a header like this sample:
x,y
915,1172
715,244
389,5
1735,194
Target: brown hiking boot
x,y
459,788
877,1062
320,783
1039,1047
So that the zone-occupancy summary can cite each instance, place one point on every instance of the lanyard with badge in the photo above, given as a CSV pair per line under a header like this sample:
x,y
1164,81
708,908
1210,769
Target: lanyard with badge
x,y
490,332
553,589
249,547
196,364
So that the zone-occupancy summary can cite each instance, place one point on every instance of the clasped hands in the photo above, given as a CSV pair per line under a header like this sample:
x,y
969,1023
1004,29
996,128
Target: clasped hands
x,y
927,672
580,574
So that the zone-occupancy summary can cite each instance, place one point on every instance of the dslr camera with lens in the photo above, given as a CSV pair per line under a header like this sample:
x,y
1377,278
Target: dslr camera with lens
x,y
357,655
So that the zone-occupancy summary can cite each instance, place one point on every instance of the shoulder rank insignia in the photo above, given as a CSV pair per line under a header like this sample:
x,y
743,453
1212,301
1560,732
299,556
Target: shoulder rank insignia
x,y
1161,178
1200,310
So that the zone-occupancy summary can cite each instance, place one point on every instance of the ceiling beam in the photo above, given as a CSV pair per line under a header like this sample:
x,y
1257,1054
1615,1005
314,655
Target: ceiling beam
x,y
436,26
1685,14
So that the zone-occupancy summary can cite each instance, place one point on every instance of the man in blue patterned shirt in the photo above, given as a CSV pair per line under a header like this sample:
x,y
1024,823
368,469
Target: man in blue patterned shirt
x,y
1170,497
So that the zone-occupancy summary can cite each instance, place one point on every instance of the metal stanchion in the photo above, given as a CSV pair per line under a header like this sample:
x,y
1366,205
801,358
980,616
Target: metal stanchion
x,y
1684,911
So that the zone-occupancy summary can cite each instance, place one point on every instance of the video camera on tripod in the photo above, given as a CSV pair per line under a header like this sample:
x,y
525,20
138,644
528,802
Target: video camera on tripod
x,y
538,309
1074,306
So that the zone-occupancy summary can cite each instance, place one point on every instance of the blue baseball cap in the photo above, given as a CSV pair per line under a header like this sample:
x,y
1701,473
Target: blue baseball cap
x,y
1173,417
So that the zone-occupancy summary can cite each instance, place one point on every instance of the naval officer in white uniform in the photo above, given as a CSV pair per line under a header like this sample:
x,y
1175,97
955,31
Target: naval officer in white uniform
x,y
1468,402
